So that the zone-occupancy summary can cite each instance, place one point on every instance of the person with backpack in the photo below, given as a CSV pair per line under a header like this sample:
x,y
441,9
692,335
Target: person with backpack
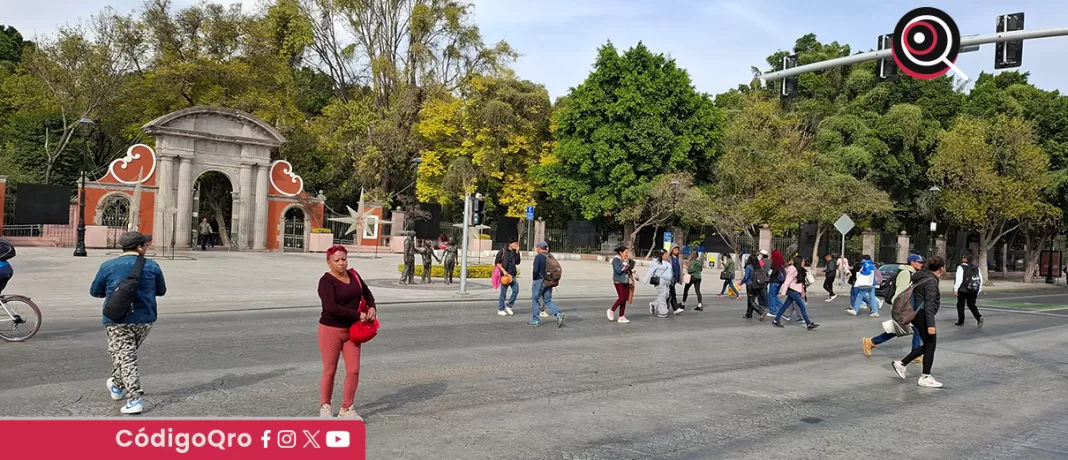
x,y
795,293
127,331
7,252
967,286
900,284
925,301
507,261
694,269
864,288
829,272
756,282
546,275
660,276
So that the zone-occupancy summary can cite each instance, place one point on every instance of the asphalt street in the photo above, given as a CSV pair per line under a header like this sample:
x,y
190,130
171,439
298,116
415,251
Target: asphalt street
x,y
456,381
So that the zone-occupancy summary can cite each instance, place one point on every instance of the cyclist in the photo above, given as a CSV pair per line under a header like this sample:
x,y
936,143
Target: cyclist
x,y
7,251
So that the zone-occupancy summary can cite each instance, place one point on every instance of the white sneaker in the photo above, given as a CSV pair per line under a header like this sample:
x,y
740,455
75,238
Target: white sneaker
x,y
611,314
116,394
326,411
829,299
509,311
927,381
851,312
132,406
623,320
501,313
350,412
899,368
833,297
544,314
679,311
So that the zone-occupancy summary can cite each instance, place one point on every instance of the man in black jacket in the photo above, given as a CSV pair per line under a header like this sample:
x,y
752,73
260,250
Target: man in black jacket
x,y
829,271
926,299
507,261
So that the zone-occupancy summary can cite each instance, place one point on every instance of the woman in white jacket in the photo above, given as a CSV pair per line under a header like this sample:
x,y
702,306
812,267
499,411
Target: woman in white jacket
x,y
660,270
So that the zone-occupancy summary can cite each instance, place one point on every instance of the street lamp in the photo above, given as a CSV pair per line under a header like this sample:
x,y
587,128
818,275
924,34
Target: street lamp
x,y
934,225
79,247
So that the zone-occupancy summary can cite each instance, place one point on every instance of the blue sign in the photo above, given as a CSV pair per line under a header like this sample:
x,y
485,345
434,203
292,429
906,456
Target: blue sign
x,y
668,238
530,213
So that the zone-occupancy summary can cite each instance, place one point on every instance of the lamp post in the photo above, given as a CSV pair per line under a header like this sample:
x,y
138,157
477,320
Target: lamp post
x,y
79,247
934,225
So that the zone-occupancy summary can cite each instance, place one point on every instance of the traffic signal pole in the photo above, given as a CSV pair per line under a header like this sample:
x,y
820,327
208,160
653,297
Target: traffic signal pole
x,y
465,243
886,53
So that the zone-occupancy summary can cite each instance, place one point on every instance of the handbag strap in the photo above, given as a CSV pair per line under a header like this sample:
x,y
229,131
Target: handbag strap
x,y
359,282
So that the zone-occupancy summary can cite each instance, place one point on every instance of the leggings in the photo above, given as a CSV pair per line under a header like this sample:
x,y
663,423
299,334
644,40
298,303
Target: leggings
x,y
334,341
828,284
696,283
622,293
928,348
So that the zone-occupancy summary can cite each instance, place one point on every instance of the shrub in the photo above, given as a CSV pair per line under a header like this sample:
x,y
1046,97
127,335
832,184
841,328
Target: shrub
x,y
322,230
484,271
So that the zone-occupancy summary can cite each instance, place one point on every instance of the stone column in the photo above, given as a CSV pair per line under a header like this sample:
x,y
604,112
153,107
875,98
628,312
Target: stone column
x,y
244,207
164,201
259,240
903,241
940,246
185,202
765,238
869,243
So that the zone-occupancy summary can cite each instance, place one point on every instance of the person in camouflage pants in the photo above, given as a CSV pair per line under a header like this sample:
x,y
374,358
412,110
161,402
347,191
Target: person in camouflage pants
x,y
123,342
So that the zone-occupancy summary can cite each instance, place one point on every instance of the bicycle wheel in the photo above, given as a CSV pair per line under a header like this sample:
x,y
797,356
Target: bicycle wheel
x,y
20,319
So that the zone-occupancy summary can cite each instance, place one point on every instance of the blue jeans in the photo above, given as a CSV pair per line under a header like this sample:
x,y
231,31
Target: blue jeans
x,y
852,296
865,295
728,287
917,342
774,303
793,297
545,295
504,291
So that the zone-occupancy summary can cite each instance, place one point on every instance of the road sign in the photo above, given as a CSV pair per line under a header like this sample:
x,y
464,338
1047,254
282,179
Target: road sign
x,y
668,239
844,224
530,213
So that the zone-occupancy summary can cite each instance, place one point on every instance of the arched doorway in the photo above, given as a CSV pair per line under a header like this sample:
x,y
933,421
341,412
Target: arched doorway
x,y
114,213
293,226
213,198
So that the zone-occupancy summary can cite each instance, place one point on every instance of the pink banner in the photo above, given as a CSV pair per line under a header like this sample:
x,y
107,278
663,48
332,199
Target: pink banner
x,y
207,438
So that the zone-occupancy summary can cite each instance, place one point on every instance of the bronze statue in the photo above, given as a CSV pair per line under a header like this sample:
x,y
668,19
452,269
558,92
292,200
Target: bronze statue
x,y
450,260
428,258
408,275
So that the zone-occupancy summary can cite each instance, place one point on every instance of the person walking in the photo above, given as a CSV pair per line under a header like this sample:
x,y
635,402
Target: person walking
x,y
621,279
843,270
864,288
660,276
727,275
966,286
901,283
926,300
755,281
507,261
676,271
829,271
542,289
126,336
205,234
795,293
345,300
694,269
775,279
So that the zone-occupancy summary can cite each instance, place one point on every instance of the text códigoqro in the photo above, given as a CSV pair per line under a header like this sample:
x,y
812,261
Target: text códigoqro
x,y
181,442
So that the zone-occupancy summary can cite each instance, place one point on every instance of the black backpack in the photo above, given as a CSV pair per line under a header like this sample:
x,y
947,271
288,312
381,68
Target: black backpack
x,y
121,301
972,281
889,288
7,250
759,277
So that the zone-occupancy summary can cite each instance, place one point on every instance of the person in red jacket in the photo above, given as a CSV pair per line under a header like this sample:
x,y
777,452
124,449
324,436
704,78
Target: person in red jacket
x,y
346,300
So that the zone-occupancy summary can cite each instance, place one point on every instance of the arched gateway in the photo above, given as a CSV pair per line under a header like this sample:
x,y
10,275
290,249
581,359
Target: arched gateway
x,y
189,143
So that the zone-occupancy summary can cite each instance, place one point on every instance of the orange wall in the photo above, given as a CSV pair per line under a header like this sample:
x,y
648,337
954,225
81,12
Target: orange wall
x,y
147,212
276,211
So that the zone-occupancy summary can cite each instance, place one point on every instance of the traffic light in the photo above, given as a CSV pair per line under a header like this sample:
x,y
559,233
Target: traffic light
x,y
789,84
1009,54
887,68
479,214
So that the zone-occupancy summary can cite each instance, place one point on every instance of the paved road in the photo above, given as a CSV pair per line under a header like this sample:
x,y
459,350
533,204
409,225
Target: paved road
x,y
455,381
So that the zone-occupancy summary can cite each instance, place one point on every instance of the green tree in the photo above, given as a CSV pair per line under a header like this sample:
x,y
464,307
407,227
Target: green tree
x,y
663,200
636,117
11,46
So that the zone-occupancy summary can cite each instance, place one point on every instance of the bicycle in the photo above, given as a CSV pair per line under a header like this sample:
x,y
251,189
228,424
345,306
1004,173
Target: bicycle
x,y
15,310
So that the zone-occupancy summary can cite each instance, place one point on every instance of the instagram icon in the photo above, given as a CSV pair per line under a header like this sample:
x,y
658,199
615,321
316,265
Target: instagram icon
x,y
287,439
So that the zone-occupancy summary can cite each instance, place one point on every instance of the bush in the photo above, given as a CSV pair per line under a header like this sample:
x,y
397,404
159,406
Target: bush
x,y
322,230
438,271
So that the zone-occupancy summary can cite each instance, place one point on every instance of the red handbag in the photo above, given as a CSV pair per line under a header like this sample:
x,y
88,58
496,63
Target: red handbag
x,y
362,332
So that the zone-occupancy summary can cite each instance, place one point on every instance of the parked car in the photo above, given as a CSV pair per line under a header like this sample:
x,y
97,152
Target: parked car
x,y
889,272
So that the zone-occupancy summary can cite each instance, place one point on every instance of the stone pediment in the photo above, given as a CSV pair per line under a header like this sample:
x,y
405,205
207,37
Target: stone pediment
x,y
216,124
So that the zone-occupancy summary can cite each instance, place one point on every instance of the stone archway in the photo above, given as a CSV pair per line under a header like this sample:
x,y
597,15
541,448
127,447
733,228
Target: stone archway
x,y
296,228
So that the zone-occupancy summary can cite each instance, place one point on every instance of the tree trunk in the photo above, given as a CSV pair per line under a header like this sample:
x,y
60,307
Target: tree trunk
x,y
653,246
629,236
983,254
1033,245
816,248
224,234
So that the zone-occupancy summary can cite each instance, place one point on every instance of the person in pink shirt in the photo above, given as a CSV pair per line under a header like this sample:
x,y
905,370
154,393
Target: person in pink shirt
x,y
795,293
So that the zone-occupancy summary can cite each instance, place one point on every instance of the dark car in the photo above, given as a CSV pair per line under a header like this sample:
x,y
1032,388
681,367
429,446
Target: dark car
x,y
889,271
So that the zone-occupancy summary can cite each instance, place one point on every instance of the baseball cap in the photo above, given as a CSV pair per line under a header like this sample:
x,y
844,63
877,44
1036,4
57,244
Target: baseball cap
x,y
542,244
130,240
916,258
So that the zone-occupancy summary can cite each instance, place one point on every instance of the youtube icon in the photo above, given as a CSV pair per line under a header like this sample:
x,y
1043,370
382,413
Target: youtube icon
x,y
337,439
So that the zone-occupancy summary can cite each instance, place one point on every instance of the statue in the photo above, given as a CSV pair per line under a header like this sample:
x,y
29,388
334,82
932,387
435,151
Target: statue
x,y
450,260
408,276
428,258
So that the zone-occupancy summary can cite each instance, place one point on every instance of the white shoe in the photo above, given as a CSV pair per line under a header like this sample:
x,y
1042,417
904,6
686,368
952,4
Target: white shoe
x,y
899,368
326,411
611,314
927,381
833,297
350,412
132,406
851,312
509,311
501,313
769,315
623,320
116,394
679,311
543,314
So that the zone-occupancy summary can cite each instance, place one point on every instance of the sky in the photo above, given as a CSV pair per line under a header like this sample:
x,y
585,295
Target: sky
x,y
717,41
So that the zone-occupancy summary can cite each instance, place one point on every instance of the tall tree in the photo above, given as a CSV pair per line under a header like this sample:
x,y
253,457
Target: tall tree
x,y
637,116
663,200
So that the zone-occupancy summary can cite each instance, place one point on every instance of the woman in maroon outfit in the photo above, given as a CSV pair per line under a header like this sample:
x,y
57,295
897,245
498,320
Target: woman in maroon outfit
x,y
346,300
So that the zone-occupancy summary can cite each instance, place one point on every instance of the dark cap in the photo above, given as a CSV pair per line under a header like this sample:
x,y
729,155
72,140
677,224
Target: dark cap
x,y
131,240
